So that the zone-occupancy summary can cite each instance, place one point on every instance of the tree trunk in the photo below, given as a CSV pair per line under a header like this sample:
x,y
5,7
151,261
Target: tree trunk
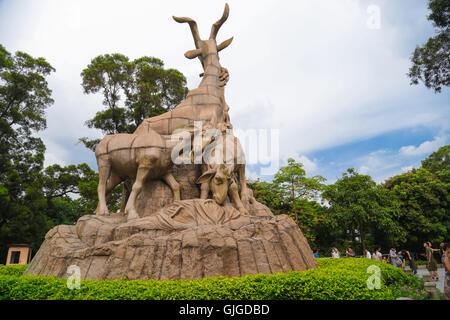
x,y
293,204
362,236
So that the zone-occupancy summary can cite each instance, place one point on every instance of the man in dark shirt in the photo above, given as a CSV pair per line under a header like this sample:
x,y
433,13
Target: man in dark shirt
x,y
409,256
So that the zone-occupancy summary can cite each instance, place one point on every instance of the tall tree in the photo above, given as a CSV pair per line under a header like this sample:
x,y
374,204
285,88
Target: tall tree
x,y
24,97
132,91
293,184
75,185
360,207
424,206
431,61
298,204
439,162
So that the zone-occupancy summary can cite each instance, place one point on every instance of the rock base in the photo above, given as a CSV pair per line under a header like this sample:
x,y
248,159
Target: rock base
x,y
108,247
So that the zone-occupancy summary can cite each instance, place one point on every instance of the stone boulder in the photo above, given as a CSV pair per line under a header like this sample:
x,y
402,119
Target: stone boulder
x,y
188,239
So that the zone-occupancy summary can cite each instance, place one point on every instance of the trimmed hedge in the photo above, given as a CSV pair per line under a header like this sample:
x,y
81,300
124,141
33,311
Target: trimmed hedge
x,y
335,279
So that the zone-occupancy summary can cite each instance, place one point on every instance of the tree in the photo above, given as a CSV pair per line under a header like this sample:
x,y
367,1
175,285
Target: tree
x,y
72,187
24,96
438,161
267,193
132,91
292,183
431,61
299,204
424,206
360,207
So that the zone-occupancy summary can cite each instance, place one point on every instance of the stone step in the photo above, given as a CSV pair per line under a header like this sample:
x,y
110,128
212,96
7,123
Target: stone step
x,y
426,278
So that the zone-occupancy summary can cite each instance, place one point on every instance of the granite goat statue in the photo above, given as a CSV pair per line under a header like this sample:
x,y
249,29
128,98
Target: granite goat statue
x,y
224,161
131,156
172,239
205,103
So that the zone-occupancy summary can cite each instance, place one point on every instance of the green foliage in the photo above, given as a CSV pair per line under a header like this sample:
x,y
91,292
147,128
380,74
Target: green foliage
x,y
424,206
439,163
132,91
12,270
292,193
335,279
358,203
431,61
24,97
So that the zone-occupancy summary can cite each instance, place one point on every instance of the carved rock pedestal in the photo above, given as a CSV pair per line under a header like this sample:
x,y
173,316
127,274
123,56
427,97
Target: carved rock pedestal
x,y
224,243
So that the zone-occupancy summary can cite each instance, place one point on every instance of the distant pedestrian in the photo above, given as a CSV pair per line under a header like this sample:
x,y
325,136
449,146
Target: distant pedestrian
x,y
350,253
335,253
393,257
367,254
412,263
446,263
441,249
316,253
377,255
401,259
431,261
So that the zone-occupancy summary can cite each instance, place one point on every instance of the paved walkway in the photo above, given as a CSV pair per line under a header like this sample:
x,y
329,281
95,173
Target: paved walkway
x,y
440,283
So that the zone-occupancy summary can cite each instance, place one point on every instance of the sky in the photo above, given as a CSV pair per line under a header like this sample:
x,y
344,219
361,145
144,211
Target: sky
x,y
329,77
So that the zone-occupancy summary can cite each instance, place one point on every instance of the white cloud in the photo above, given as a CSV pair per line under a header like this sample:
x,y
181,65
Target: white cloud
x,y
364,170
309,165
55,154
250,174
424,148
407,169
385,163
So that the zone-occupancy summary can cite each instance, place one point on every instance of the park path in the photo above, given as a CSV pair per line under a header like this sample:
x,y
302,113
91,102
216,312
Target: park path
x,y
440,283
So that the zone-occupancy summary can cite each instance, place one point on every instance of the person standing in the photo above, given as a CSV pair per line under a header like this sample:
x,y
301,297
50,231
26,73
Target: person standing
x,y
367,254
401,259
446,263
316,253
377,255
349,253
335,253
412,263
431,261
393,256
441,249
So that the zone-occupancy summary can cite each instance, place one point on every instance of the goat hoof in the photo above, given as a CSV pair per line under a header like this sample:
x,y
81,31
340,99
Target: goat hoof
x,y
102,213
244,211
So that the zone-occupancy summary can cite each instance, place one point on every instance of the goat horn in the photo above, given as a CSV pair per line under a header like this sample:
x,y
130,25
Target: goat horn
x,y
193,26
216,26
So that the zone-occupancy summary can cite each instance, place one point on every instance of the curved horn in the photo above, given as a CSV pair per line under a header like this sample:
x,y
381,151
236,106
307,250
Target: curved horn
x,y
216,26
193,26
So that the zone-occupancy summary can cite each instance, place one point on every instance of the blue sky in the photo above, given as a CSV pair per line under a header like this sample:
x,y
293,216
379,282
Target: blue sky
x,y
335,87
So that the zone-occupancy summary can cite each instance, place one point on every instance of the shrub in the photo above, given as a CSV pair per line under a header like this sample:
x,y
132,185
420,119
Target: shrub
x,y
12,270
335,279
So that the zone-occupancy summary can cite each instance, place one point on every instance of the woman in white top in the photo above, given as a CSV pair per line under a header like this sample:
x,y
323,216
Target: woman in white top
x,y
335,253
377,254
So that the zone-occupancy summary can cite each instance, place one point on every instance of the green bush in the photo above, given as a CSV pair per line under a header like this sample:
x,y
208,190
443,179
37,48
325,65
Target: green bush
x,y
335,279
12,270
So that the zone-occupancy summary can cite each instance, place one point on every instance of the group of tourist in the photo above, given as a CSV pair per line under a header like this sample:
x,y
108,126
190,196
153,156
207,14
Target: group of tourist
x,y
444,252
399,259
